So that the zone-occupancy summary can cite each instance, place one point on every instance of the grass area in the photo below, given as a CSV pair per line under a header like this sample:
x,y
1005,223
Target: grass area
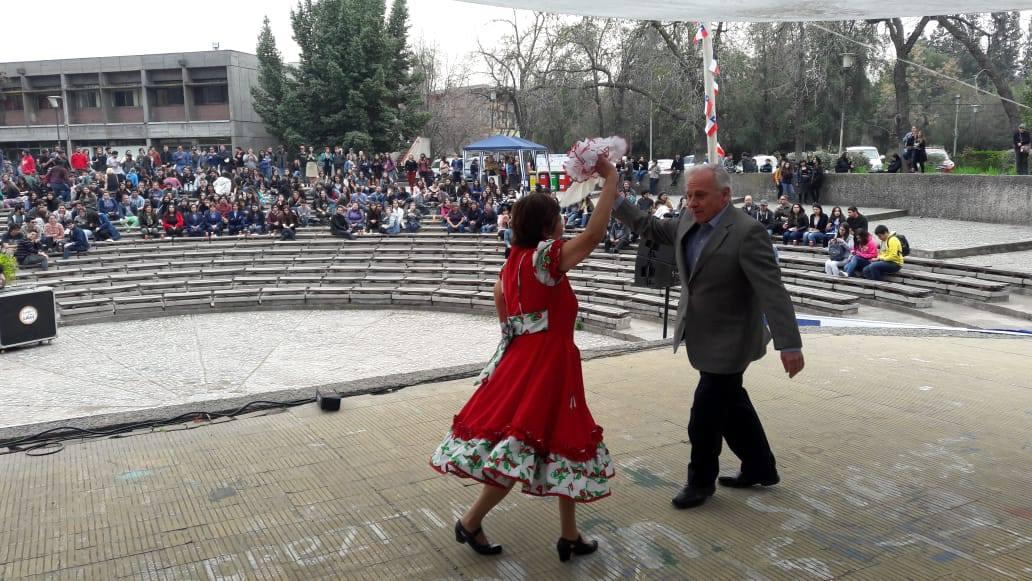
x,y
980,171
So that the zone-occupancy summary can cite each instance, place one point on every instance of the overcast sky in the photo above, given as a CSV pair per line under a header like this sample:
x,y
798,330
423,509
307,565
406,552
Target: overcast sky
x,y
82,31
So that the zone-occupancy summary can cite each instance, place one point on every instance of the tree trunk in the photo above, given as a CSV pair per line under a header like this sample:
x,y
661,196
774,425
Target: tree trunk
x,y
800,94
902,87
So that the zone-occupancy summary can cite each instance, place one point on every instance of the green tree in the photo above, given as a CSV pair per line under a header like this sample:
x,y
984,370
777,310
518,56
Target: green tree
x,y
353,84
268,95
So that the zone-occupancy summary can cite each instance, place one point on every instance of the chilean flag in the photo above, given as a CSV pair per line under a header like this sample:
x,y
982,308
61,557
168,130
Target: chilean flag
x,y
709,106
711,125
716,87
700,34
714,67
720,150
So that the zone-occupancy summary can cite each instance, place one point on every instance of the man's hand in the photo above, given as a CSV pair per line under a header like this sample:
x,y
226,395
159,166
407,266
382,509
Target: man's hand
x,y
793,362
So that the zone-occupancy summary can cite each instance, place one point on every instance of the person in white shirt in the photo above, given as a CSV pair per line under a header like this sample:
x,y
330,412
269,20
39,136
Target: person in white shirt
x,y
664,207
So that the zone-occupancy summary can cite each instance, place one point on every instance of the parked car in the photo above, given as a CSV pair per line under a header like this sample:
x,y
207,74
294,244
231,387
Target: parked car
x,y
941,159
871,153
664,165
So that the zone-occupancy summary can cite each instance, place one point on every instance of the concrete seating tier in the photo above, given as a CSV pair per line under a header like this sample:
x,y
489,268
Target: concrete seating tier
x,y
960,286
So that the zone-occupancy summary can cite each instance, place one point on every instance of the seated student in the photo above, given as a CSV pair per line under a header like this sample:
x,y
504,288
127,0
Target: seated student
x,y
490,220
305,217
839,249
236,220
322,208
256,223
455,220
109,206
413,218
865,249
855,219
53,232
29,253
339,225
77,241
895,165
195,223
172,223
287,224
102,227
273,220
374,218
474,218
814,234
12,237
618,236
214,222
890,257
765,217
150,224
356,218
796,226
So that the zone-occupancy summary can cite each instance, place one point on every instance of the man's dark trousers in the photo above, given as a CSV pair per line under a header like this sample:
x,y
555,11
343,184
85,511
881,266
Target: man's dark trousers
x,y
722,410
1022,163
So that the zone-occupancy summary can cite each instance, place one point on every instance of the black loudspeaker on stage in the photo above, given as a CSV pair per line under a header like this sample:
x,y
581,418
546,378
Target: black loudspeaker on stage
x,y
27,316
655,266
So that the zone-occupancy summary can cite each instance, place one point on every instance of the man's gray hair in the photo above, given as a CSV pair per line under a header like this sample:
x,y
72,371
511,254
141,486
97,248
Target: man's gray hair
x,y
720,175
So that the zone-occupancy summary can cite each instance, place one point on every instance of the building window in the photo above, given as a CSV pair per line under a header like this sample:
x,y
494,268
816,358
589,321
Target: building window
x,y
168,97
13,103
124,98
85,100
211,95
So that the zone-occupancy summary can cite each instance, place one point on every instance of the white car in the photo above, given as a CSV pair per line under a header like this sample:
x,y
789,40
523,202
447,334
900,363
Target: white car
x,y
871,153
944,163
664,165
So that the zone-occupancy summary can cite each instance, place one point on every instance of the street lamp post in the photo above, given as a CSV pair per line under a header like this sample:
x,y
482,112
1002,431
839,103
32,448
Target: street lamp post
x,y
956,118
55,103
847,62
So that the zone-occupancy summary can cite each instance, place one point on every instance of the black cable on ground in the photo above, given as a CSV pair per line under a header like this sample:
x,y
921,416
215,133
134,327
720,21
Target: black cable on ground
x,y
49,441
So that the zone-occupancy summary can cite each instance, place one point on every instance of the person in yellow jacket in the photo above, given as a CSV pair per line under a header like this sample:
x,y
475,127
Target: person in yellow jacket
x,y
890,256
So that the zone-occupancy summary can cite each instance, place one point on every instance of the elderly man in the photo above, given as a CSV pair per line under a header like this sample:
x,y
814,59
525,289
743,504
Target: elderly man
x,y
731,291
749,207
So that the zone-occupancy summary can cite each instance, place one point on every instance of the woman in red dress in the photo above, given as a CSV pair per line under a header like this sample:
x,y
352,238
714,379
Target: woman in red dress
x,y
528,421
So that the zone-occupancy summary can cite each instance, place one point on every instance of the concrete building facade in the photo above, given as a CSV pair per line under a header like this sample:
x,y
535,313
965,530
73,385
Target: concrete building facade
x,y
191,98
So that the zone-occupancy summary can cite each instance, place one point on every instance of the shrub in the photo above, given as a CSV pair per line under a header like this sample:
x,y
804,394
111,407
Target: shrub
x,y
8,267
985,160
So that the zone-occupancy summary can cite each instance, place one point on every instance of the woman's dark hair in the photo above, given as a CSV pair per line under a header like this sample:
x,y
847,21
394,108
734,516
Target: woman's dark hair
x,y
533,217
836,209
861,237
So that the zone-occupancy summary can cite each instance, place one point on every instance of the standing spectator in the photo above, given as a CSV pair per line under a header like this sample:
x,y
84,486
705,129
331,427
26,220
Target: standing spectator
x,y
804,176
80,161
890,257
865,249
843,165
1022,143
411,169
287,224
787,180
456,167
908,148
817,180
654,172
920,152
27,167
29,253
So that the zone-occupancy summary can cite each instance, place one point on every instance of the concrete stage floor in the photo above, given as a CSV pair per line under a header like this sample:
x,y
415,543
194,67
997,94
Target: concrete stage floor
x,y
901,458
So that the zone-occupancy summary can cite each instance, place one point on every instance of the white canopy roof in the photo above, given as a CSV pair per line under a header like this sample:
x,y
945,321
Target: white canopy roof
x,y
758,10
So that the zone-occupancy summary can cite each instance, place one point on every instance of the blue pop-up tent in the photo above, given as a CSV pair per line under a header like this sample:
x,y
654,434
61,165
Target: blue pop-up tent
x,y
505,144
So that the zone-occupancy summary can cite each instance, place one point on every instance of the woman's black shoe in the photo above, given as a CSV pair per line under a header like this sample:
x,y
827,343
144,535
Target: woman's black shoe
x,y
470,538
567,548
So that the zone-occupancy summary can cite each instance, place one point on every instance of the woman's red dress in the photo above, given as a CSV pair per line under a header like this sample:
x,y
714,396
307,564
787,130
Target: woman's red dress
x,y
528,421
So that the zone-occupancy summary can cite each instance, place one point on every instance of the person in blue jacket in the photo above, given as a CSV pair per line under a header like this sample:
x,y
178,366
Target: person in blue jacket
x,y
195,222
214,222
255,220
237,220
77,241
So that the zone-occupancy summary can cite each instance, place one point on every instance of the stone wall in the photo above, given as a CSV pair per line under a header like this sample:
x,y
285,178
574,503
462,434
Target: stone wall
x,y
996,199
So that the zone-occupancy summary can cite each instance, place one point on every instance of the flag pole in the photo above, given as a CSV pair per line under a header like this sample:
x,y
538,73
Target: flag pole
x,y
707,59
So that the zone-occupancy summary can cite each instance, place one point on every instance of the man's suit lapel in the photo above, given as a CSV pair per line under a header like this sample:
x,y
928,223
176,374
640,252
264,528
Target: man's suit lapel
x,y
713,244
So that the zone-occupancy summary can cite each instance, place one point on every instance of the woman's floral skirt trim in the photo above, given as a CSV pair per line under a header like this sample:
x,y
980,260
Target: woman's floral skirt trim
x,y
508,461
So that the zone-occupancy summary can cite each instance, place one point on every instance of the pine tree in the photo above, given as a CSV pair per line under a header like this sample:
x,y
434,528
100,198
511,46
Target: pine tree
x,y
269,93
403,80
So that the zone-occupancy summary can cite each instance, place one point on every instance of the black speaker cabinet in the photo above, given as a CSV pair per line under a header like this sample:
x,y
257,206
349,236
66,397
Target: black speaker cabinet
x,y
27,316
654,267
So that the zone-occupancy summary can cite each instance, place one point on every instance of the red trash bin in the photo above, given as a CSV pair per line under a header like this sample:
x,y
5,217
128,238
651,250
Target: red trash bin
x,y
564,181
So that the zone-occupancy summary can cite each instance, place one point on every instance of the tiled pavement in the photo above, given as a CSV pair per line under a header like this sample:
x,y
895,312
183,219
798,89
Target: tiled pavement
x,y
901,458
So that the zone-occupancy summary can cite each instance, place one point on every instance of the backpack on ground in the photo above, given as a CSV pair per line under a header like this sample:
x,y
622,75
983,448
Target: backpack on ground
x,y
904,243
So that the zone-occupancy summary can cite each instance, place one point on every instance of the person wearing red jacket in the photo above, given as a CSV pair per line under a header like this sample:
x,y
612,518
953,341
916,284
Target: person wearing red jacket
x,y
172,223
80,161
28,164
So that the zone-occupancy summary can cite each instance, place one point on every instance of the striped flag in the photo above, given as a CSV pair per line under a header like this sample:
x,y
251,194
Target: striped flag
x,y
714,67
720,150
716,87
700,34
711,125
709,105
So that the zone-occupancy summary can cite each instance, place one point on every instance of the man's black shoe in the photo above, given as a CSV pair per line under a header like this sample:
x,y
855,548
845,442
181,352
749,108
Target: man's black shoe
x,y
743,481
690,497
